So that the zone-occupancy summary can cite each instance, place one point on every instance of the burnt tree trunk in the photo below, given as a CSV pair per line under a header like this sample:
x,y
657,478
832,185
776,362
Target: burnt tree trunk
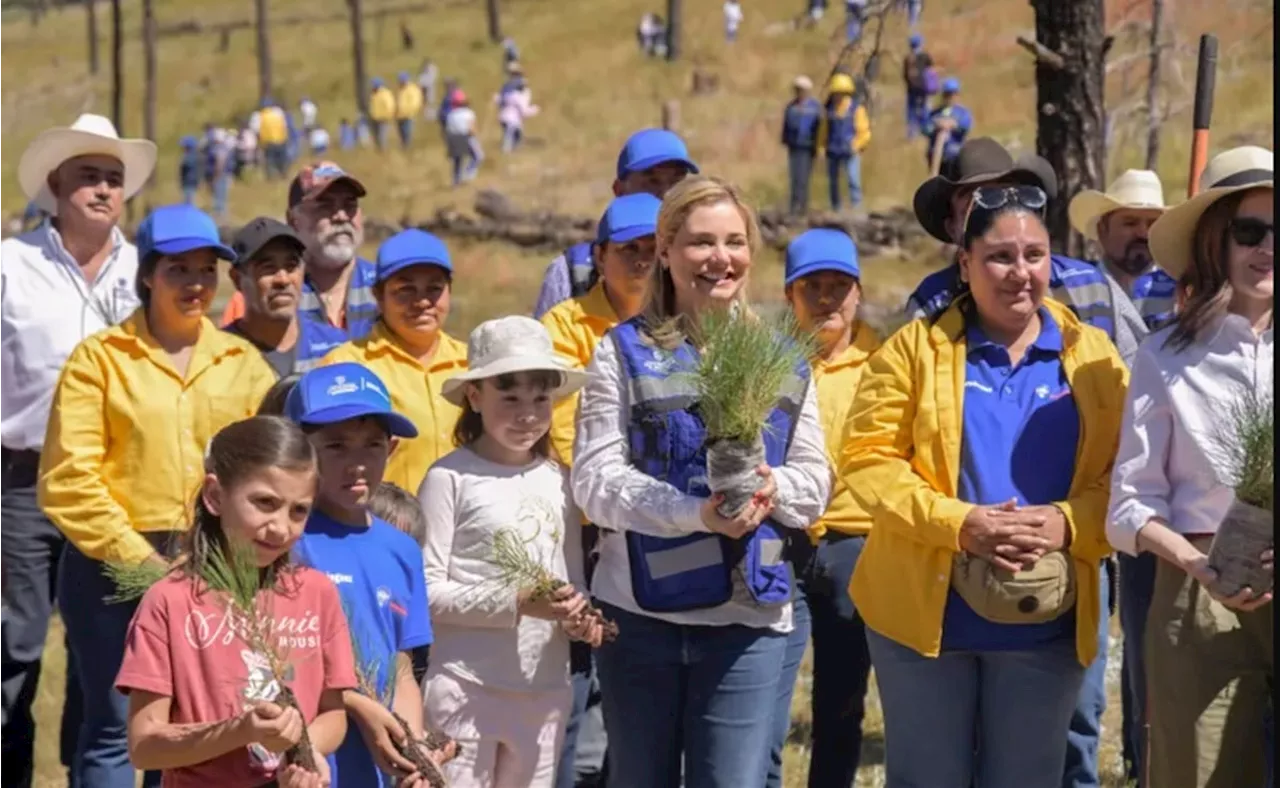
x,y
117,68
494,20
1070,76
149,70
1153,86
91,19
264,50
357,54
673,29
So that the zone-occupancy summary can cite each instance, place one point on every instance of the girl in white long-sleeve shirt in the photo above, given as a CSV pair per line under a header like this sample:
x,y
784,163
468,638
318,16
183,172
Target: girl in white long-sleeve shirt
x,y
499,676
1209,659
692,677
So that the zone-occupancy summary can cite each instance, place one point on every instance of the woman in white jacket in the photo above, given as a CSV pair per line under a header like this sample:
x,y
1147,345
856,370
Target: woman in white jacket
x,y
702,602
1210,662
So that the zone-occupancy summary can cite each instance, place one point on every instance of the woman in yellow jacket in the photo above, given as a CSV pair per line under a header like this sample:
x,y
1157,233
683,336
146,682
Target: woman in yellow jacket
x,y
409,350
133,412
981,444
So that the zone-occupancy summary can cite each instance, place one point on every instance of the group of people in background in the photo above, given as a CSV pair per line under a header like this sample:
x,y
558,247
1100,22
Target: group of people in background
x,y
512,542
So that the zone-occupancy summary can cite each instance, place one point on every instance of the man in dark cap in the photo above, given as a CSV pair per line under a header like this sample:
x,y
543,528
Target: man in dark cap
x,y
941,204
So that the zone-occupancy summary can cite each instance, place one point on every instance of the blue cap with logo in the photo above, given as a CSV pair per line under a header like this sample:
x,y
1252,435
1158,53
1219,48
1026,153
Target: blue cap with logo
x,y
651,147
629,217
341,392
174,229
411,247
821,249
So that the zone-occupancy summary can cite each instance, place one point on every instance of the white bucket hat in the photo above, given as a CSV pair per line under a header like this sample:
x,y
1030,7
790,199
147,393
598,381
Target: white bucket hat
x,y
507,345
1137,190
89,135
1238,169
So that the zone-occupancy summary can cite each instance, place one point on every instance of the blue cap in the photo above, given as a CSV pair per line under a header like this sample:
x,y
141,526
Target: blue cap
x,y
174,229
915,40
821,249
377,82
188,142
341,392
651,147
629,217
411,247
404,76
950,85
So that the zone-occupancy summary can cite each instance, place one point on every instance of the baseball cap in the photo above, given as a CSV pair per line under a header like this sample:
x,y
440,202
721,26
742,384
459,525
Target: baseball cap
x,y
821,249
651,147
341,392
629,217
174,229
258,233
315,178
950,85
411,247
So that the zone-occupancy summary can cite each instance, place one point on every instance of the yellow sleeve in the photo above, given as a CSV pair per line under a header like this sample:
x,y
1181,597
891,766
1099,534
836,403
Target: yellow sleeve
x,y
861,129
879,443
565,413
259,378
73,491
1086,510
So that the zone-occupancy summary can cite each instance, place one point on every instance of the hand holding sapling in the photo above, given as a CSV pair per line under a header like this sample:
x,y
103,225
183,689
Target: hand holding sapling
x,y
749,517
558,604
275,727
293,776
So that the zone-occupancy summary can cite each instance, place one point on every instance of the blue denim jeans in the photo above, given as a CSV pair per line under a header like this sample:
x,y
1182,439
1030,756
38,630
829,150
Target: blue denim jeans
x,y
799,168
381,131
1086,721
704,694
405,128
917,111
582,758
1015,706
96,633
840,168
1137,579
220,187
797,642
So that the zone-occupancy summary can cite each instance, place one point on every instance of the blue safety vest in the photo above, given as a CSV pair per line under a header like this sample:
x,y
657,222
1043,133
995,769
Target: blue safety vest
x,y
315,340
1155,293
800,124
582,269
840,130
667,436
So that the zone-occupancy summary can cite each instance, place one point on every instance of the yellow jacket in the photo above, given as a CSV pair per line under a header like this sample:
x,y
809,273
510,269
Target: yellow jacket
x,y
273,129
124,452
837,382
382,104
576,327
415,392
408,101
861,127
901,459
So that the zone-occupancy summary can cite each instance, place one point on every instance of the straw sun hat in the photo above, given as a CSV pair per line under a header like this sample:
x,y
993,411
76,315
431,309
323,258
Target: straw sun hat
x,y
507,345
89,135
1137,190
1238,169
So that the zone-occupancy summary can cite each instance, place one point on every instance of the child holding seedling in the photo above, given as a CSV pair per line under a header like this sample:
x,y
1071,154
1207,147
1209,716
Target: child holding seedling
x,y
236,657
346,411
504,564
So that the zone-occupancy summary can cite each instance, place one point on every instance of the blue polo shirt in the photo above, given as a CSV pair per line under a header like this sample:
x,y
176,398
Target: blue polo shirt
x,y
379,574
1155,293
362,309
1019,439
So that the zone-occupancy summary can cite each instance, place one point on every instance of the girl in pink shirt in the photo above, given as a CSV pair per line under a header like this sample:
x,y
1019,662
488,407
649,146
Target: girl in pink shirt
x,y
204,706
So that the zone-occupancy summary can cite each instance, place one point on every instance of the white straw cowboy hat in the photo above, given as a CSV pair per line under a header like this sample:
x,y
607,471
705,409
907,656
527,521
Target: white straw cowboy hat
x,y
89,135
1238,169
1137,190
507,345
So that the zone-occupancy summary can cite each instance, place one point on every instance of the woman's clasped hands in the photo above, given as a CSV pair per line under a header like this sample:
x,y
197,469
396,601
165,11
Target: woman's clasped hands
x,y
1014,537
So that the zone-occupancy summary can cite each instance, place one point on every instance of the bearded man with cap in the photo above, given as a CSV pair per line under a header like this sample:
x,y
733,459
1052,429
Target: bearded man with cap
x,y
942,205
651,160
70,277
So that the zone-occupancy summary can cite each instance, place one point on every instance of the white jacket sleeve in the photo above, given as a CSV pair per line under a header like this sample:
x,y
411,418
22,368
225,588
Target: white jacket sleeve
x,y
804,481
608,488
1140,486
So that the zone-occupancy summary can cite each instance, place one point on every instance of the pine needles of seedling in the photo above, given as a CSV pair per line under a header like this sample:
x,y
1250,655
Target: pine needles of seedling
x,y
132,581
744,362
1247,445
520,567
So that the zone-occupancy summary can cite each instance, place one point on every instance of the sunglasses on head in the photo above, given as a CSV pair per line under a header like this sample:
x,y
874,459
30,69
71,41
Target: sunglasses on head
x,y
1250,232
987,199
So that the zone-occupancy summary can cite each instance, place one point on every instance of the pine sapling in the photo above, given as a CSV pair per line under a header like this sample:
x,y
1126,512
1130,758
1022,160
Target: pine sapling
x,y
1245,450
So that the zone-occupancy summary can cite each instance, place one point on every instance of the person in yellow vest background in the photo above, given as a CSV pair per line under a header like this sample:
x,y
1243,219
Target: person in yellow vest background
x,y
845,131
408,107
823,287
382,110
273,137
409,350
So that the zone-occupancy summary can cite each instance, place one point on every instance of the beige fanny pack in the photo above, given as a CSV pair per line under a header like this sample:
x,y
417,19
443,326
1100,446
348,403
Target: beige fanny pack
x,y
1030,596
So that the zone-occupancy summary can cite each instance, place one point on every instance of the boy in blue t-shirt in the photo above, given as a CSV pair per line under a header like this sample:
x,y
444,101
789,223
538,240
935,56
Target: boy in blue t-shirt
x,y
346,410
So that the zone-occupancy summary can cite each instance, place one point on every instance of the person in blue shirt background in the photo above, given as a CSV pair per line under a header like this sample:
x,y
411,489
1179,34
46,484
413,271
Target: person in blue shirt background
x,y
189,169
800,124
378,569
950,118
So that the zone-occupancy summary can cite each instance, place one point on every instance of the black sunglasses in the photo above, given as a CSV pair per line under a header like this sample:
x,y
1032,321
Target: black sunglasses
x,y
988,199
1250,232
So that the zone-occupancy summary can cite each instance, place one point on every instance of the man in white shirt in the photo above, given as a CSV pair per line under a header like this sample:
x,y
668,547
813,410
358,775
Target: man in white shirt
x,y
70,277
732,20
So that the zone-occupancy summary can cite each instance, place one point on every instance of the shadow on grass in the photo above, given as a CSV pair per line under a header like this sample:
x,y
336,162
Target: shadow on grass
x,y
801,734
